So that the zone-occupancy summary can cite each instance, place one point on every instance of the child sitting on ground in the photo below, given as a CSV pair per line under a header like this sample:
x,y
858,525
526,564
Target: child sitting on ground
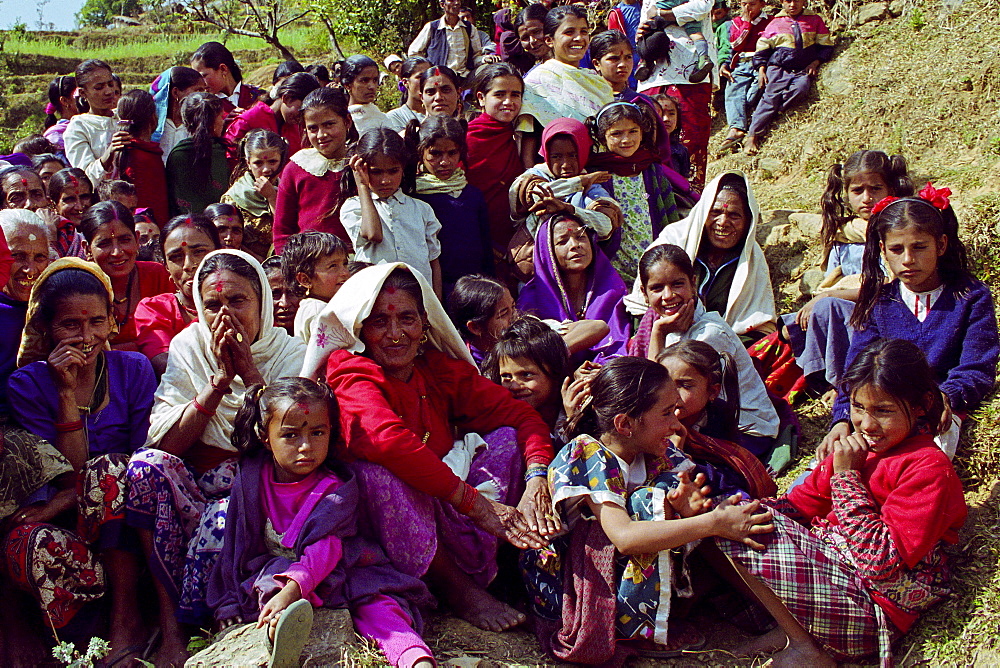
x,y
291,534
314,265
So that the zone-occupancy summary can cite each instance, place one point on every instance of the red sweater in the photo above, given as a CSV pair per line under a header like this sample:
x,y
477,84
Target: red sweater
x,y
144,169
307,202
158,320
153,280
408,427
261,116
894,513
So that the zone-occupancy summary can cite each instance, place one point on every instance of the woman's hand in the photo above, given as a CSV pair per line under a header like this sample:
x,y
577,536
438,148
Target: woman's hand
x,y
536,506
65,363
45,512
740,523
591,178
505,522
840,430
238,343
220,348
690,497
849,453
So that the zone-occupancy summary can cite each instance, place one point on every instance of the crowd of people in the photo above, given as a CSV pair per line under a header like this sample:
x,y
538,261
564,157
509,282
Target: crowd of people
x,y
501,349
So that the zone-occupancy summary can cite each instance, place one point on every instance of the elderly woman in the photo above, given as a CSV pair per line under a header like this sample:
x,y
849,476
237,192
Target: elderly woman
x,y
93,405
719,237
406,384
108,230
179,485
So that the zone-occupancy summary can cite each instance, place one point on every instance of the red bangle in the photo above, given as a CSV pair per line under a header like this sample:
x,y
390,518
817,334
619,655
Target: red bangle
x,y
201,409
469,496
67,427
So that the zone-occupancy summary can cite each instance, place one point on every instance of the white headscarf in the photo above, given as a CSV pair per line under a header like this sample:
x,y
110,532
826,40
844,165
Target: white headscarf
x,y
339,325
751,299
192,363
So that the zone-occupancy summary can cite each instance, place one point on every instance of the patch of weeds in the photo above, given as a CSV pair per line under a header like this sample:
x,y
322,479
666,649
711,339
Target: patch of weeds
x,y
993,145
917,19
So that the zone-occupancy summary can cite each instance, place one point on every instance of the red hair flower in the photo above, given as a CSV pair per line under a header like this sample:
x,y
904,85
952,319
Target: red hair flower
x,y
938,198
882,203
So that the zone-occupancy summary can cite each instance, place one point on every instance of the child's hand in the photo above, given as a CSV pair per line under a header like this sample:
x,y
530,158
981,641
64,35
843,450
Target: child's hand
x,y
545,203
587,180
360,169
740,523
690,497
946,414
574,394
802,317
837,432
265,188
850,453
676,323
271,612
587,370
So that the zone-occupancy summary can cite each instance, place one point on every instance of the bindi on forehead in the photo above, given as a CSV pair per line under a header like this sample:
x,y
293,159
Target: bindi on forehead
x,y
390,289
183,244
219,285
304,407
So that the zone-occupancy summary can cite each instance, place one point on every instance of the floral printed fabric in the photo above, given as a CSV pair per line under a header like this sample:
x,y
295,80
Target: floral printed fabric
x,y
637,231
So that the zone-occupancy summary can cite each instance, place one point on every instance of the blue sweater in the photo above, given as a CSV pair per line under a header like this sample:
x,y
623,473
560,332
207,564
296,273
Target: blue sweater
x,y
958,337
466,246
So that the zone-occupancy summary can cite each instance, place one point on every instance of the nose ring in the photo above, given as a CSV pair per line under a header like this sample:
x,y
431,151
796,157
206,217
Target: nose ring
x,y
396,340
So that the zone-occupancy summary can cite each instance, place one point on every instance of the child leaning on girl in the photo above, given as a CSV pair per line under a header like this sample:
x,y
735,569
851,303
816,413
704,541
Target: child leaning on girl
x,y
291,532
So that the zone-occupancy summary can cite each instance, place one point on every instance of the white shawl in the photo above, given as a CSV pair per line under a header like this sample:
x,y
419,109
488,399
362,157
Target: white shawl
x,y
339,325
751,299
192,363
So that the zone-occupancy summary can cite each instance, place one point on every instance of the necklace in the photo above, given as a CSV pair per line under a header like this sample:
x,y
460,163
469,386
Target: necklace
x,y
100,387
127,299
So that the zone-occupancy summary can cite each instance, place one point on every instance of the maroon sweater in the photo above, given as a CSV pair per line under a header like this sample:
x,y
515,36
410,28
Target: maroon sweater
x,y
307,202
144,169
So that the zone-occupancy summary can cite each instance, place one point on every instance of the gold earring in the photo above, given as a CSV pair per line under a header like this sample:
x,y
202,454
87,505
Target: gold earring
x,y
423,339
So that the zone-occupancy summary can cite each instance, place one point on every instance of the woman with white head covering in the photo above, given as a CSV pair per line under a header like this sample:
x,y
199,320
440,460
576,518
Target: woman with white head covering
x,y
179,485
719,237
406,383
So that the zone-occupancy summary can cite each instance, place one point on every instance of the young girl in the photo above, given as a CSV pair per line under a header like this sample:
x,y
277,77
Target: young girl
x,y
185,241
62,101
934,302
623,470
882,507
440,91
574,281
460,207
702,374
680,159
309,194
481,308
228,222
559,87
667,279
92,137
561,184
169,90
385,224
255,192
47,164
412,105
282,116
198,167
141,161
532,361
611,55
493,160
639,182
818,333
359,77
286,302
223,76
291,532
71,192
314,265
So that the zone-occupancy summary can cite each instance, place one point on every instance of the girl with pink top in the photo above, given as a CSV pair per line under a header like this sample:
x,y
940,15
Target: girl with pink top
x,y
291,534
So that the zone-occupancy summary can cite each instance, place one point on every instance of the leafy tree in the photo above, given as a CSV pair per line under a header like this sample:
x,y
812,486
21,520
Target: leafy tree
x,y
98,13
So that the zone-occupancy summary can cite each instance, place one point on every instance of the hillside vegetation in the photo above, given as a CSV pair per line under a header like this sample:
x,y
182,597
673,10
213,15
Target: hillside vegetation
x,y
925,84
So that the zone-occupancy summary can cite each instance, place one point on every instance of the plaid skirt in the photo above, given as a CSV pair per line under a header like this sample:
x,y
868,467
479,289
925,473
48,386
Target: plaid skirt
x,y
820,587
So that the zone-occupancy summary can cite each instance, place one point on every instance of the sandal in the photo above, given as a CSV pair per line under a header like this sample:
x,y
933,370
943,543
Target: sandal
x,y
682,637
132,651
291,635
730,143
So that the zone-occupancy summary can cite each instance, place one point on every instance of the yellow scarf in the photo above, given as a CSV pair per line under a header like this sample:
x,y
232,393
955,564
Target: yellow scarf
x,y
428,184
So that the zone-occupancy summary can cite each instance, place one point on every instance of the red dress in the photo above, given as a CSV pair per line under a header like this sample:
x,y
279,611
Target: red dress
x,y
307,202
153,280
493,163
144,169
261,116
408,426
158,320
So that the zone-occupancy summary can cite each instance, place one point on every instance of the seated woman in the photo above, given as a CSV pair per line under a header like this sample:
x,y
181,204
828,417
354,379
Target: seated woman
x,y
185,241
406,384
733,277
179,486
574,283
108,229
93,405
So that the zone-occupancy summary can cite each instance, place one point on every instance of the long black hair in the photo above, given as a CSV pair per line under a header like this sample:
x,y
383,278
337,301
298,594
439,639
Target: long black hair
x,y
59,88
720,369
625,385
213,54
199,111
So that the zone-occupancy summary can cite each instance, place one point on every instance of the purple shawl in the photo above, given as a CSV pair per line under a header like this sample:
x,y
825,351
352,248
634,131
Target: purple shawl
x,y
545,296
245,567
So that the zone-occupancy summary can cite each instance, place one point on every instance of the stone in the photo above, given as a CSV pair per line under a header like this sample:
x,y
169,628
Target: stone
x,y
768,220
896,8
873,11
834,79
809,224
770,167
811,279
248,646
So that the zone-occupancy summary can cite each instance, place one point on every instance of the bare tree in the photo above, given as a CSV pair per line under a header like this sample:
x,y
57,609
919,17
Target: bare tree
x,y
250,18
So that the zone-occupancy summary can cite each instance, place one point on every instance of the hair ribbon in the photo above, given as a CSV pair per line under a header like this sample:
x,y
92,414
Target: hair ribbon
x,y
615,104
935,197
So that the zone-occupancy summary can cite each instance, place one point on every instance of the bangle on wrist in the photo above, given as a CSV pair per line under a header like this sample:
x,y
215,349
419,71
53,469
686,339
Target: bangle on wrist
x,y
68,427
201,409
469,496
218,387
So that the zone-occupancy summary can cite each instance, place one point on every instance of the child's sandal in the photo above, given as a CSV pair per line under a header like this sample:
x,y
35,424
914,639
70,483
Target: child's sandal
x,y
291,634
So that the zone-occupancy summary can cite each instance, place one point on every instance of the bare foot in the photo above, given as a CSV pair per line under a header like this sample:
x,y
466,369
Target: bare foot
x,y
480,609
173,651
802,654
768,643
127,643
752,145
